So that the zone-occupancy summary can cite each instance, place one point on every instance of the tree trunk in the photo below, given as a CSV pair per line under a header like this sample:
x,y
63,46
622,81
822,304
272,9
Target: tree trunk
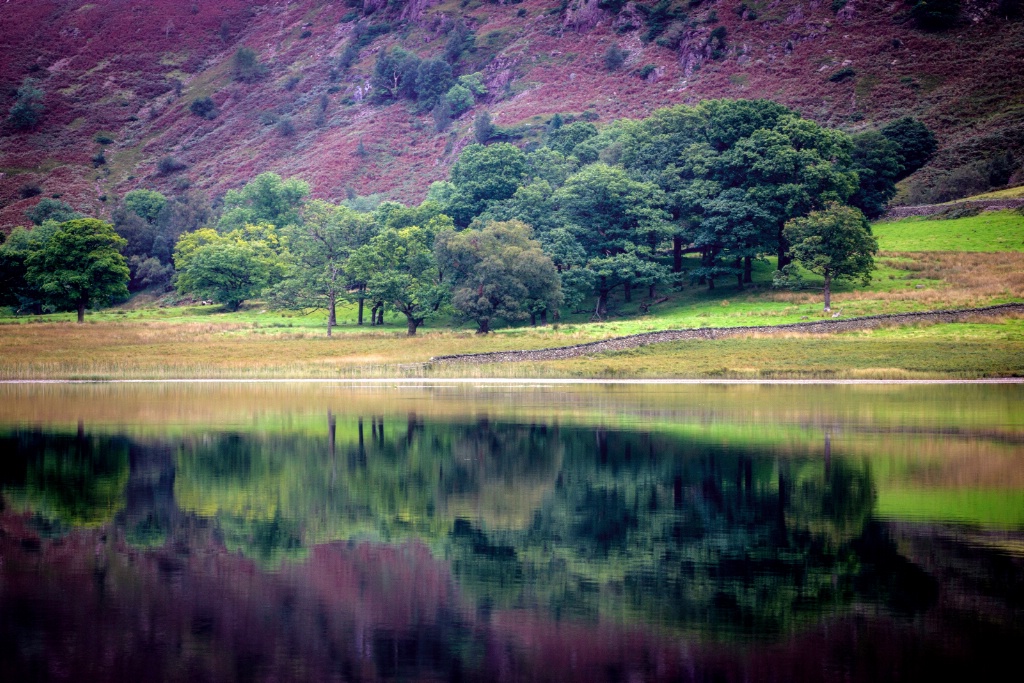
x,y
627,294
651,291
828,293
332,314
533,319
739,274
748,269
677,254
783,251
413,324
380,315
81,311
711,283
483,326
361,303
602,301
544,317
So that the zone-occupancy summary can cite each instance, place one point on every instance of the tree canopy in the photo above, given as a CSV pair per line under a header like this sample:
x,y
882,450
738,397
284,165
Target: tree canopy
x,y
79,266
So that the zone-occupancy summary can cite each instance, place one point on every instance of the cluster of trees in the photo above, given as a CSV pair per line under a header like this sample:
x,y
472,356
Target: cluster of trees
x,y
514,234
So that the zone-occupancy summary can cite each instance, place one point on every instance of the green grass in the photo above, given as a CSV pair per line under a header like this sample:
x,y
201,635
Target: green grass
x,y
986,232
1008,193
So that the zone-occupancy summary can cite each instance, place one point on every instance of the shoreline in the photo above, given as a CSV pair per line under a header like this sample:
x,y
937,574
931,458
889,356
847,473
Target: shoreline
x,y
424,382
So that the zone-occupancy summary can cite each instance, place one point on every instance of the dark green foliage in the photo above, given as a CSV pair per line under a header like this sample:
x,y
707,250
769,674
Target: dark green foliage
x,y
483,129
394,75
838,5
149,273
203,108
30,190
442,114
613,6
843,74
348,17
646,70
499,272
80,266
433,79
935,15
285,127
28,107
916,144
565,138
51,210
659,17
459,98
363,34
99,159
246,66
717,42
168,165
145,203
614,57
460,40
876,159
483,175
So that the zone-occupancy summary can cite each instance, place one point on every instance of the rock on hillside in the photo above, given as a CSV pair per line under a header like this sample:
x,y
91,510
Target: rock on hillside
x,y
119,78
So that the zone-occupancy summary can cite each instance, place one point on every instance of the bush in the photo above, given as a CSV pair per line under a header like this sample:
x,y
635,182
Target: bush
x,y
99,159
246,66
935,15
646,70
203,108
28,108
614,57
103,138
168,165
459,99
483,129
30,190
285,127
843,74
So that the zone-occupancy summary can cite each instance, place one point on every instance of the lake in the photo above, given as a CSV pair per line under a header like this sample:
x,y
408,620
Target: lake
x,y
591,532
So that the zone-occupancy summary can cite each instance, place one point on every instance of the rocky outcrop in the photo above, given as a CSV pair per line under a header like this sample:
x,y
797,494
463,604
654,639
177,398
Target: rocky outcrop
x,y
702,333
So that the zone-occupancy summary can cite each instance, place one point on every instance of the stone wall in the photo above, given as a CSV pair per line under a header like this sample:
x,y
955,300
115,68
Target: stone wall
x,y
813,327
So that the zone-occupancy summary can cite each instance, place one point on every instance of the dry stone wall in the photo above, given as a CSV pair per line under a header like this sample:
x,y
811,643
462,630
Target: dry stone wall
x,y
813,327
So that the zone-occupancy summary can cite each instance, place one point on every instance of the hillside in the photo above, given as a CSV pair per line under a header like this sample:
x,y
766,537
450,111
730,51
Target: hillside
x,y
119,78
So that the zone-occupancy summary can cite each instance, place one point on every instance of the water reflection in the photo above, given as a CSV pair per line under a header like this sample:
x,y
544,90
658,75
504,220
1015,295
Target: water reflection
x,y
399,544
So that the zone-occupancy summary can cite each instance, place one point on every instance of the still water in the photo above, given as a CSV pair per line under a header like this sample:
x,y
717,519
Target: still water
x,y
278,532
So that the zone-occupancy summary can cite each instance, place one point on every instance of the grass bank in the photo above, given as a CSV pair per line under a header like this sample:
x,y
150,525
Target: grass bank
x,y
144,341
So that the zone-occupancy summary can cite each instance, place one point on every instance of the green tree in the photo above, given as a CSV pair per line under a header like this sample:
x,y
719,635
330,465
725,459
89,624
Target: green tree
x,y
935,15
52,210
499,272
483,175
28,106
915,143
146,203
267,199
459,98
80,266
433,79
834,243
394,75
564,139
228,268
318,249
400,268
616,221
483,129
876,159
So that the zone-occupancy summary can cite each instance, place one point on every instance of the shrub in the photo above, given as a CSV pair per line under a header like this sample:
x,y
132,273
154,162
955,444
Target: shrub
x,y
30,190
285,127
99,159
843,74
102,138
459,99
349,17
203,108
246,66
28,108
646,70
935,15
483,129
614,57
168,165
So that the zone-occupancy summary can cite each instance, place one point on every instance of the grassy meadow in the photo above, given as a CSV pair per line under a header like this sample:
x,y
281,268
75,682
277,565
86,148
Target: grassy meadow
x,y
924,264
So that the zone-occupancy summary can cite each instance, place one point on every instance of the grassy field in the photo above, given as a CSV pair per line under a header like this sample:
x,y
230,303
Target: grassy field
x,y
137,340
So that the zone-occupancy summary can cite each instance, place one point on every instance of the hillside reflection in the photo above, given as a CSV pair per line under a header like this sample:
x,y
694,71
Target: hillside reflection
x,y
396,546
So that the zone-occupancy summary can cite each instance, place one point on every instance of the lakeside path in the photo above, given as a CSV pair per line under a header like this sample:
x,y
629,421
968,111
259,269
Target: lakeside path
x,y
702,333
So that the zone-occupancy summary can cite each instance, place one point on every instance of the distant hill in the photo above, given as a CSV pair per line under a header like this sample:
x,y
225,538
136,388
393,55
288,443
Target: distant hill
x,y
119,79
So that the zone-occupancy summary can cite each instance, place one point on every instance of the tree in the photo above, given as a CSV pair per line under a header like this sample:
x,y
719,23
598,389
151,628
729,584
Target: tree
x,y
616,220
935,15
318,248
915,143
433,79
246,66
401,269
52,210
483,129
80,266
834,243
499,272
565,138
459,98
267,199
876,159
146,203
227,268
483,175
394,75
28,107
